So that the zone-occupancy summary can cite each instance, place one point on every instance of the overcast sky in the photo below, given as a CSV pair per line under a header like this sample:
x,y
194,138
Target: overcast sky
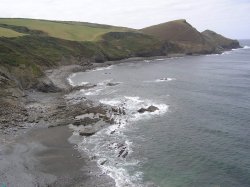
x,y
228,17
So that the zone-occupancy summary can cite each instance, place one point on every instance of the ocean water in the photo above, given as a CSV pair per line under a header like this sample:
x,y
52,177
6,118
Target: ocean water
x,y
200,136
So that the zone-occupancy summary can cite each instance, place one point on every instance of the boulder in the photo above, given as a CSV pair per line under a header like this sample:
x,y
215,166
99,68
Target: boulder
x,y
112,84
85,121
149,109
87,132
46,85
103,162
121,151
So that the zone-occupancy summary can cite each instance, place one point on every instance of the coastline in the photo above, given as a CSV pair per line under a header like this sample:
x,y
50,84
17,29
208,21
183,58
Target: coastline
x,y
37,152
43,146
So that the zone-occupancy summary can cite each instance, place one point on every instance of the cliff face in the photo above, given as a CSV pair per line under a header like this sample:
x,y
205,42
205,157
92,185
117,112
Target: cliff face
x,y
220,42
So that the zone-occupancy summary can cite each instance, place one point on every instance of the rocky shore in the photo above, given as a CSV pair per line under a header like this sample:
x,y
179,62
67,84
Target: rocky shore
x,y
34,134
38,125
26,133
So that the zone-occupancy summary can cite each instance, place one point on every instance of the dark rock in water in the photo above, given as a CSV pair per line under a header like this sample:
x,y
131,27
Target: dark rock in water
x,y
125,154
149,109
87,132
112,84
103,162
120,145
142,110
164,79
152,108
122,151
114,109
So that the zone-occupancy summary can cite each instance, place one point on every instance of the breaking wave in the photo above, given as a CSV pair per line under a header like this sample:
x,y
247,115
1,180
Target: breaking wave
x,y
161,80
102,68
112,149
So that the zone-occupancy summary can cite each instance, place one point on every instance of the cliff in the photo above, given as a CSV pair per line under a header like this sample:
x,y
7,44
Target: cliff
x,y
29,47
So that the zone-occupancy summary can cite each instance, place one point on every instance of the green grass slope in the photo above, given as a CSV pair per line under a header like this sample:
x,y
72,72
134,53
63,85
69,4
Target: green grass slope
x,y
120,45
26,57
4,32
178,30
74,31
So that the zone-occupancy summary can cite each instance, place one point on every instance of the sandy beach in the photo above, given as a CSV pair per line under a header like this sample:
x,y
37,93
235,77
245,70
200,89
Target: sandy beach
x,y
44,157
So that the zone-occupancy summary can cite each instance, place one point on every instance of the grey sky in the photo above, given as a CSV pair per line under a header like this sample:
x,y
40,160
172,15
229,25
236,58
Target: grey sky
x,y
228,17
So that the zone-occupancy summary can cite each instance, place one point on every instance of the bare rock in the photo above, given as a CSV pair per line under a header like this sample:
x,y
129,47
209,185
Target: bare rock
x,y
85,121
87,132
149,109
46,85
112,84
103,162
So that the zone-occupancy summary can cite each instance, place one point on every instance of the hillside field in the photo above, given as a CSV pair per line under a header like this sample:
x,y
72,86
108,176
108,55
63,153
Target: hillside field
x,y
74,31
8,33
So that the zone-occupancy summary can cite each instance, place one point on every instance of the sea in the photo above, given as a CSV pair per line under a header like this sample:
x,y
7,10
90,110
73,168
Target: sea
x,y
198,137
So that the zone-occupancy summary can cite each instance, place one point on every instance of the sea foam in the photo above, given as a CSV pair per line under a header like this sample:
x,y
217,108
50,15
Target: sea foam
x,y
112,149
102,68
160,80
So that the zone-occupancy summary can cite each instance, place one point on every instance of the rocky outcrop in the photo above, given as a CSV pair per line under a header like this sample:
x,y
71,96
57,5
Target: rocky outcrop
x,y
219,42
148,109
87,132
112,83
46,85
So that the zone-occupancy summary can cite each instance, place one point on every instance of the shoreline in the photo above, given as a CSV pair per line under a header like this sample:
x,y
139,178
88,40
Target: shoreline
x,y
44,157
32,148
39,105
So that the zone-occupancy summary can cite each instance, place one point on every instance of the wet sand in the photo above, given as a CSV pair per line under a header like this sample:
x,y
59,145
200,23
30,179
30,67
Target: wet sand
x,y
44,157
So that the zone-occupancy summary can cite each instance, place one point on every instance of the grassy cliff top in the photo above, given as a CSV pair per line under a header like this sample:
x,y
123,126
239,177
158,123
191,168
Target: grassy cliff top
x,y
74,31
